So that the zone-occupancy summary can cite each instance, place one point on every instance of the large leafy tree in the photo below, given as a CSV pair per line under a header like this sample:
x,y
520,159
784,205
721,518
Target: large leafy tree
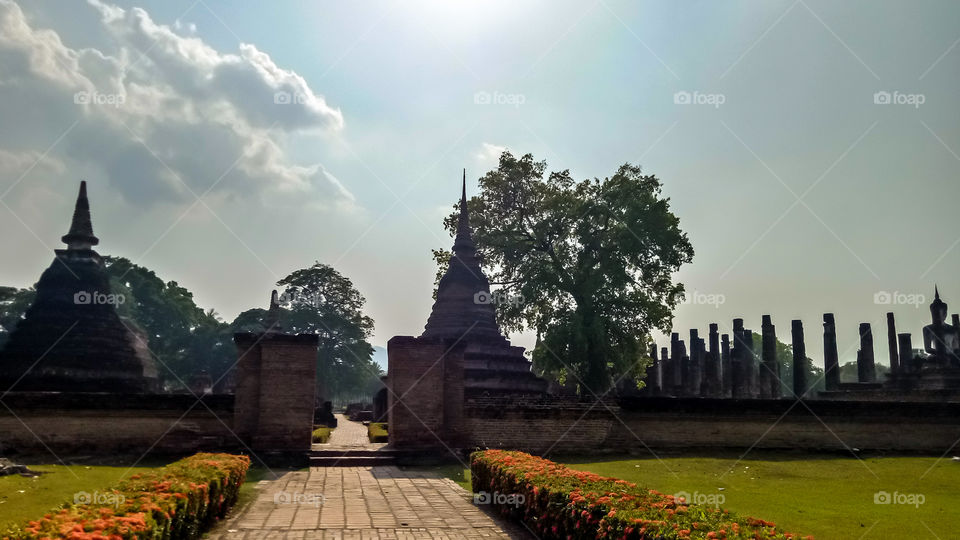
x,y
586,264
184,338
13,304
320,300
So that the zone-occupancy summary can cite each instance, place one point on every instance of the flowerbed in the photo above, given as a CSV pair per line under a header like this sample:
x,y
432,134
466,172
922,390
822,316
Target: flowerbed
x,y
176,501
558,502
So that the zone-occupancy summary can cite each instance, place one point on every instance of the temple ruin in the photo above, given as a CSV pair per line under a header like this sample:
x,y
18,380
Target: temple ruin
x,y
71,337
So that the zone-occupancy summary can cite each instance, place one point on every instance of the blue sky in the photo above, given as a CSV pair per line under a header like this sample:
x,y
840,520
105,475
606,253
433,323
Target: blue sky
x,y
800,193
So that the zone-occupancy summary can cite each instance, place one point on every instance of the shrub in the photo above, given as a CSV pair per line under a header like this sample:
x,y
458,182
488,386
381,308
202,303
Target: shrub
x,y
321,434
558,502
377,432
176,501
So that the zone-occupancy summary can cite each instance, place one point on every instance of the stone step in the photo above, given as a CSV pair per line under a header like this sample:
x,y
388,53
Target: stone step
x,y
348,452
351,461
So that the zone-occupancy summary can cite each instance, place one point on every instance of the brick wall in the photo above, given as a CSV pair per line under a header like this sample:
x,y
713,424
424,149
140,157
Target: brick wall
x,y
425,392
704,423
111,424
276,385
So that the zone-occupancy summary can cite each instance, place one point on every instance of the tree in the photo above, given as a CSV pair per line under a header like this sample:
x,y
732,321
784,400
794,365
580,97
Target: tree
x,y
588,265
13,304
320,300
850,374
183,337
785,361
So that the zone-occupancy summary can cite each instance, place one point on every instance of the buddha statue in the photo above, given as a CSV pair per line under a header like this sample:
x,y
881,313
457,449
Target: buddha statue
x,y
941,340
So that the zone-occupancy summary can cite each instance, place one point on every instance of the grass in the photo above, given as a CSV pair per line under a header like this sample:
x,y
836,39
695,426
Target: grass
x,y
377,432
829,497
321,434
22,498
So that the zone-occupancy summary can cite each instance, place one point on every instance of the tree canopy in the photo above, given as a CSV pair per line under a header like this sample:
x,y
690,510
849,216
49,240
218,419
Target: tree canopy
x,y
186,339
586,264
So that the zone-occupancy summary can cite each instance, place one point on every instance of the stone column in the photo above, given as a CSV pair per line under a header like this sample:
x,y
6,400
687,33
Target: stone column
x,y
664,371
676,358
866,367
726,369
653,372
705,369
716,369
751,367
892,344
696,364
770,372
830,359
799,359
737,380
905,345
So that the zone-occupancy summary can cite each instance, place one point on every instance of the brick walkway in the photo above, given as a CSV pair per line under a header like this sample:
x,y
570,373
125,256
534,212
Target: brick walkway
x,y
349,435
364,503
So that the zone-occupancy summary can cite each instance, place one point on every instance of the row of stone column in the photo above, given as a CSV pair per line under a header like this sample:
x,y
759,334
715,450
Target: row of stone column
x,y
719,368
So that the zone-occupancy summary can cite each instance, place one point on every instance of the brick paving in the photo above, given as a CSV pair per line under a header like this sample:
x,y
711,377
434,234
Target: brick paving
x,y
364,503
348,435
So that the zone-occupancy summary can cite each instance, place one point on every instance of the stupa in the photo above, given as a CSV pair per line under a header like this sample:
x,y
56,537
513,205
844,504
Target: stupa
x,y
71,338
464,311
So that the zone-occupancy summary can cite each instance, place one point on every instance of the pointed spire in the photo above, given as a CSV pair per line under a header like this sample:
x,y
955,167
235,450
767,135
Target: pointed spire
x,y
81,228
272,322
464,240
936,293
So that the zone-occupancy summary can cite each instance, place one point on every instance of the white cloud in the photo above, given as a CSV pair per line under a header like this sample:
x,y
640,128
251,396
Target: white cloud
x,y
490,154
162,113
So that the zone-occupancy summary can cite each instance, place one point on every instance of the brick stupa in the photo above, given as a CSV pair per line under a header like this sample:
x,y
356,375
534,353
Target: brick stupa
x,y
72,339
463,312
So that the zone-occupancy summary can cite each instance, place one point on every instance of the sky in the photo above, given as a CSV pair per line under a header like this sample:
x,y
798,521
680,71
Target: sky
x,y
811,149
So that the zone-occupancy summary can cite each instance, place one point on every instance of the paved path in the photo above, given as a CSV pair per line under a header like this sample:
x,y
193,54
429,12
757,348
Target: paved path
x,y
364,503
349,435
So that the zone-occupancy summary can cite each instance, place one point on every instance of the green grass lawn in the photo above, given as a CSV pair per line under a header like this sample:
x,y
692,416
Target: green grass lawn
x,y
24,498
830,497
